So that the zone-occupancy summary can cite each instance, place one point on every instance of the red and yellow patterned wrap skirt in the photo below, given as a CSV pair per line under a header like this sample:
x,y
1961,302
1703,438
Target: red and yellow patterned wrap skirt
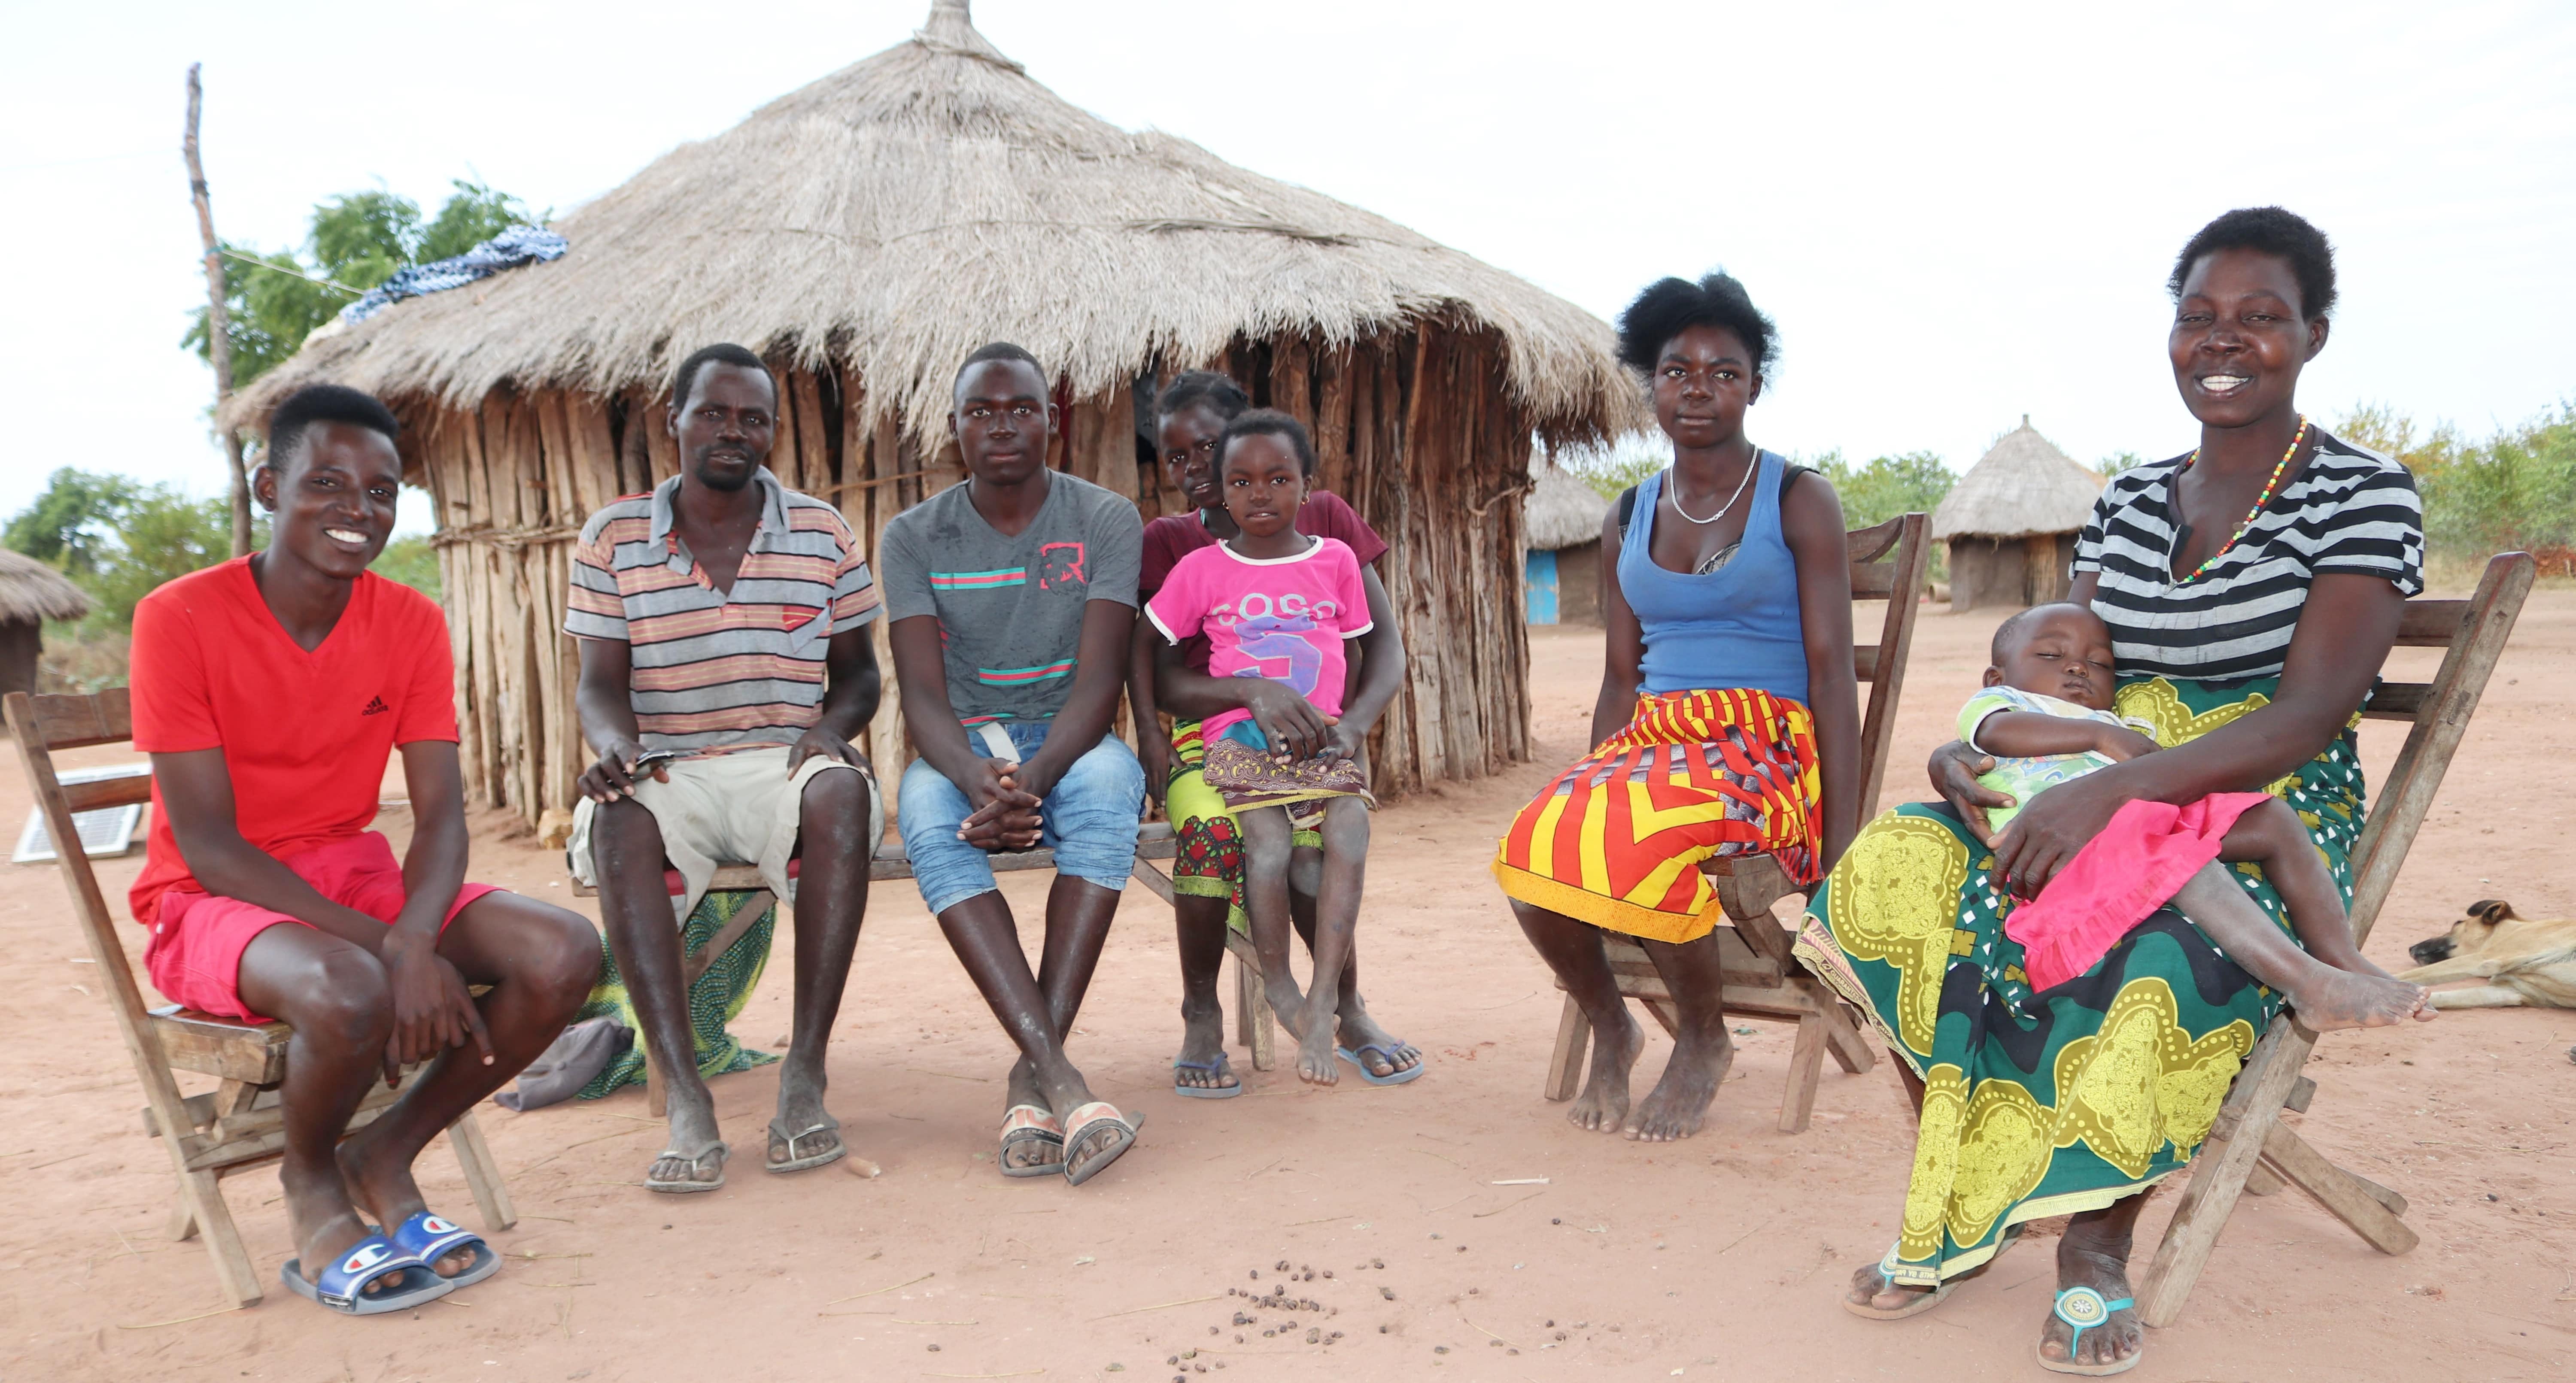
x,y
1617,839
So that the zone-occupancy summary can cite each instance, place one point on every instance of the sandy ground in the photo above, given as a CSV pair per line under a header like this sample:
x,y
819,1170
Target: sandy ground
x,y
1426,1263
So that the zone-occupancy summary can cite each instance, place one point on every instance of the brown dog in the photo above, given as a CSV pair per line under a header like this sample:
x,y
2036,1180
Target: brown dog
x,y
2523,962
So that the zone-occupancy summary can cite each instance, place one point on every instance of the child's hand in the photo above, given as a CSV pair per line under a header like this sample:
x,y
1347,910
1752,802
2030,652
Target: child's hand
x,y
1345,742
2120,744
1294,728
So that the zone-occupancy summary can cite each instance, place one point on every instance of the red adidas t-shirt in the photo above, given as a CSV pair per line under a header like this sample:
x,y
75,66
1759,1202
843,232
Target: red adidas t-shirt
x,y
1175,536
305,735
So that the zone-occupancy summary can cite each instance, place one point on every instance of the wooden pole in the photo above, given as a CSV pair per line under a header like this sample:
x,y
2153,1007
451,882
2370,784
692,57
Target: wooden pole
x,y
219,340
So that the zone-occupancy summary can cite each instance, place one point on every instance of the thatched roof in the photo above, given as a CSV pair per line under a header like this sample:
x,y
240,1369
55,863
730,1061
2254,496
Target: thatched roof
x,y
906,209
1562,509
2025,485
30,590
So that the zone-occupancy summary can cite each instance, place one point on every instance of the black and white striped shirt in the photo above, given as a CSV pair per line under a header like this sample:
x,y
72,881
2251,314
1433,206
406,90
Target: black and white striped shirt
x,y
2348,510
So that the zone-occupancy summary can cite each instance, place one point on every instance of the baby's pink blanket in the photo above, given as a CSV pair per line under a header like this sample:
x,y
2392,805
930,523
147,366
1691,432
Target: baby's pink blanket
x,y
2133,867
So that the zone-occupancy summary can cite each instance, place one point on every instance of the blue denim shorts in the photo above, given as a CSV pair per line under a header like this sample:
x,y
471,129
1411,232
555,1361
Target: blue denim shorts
x,y
1090,820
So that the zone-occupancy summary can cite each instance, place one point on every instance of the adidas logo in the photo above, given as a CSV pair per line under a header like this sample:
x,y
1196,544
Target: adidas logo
x,y
375,707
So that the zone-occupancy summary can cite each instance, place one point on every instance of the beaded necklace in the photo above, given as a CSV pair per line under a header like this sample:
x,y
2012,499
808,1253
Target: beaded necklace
x,y
2270,487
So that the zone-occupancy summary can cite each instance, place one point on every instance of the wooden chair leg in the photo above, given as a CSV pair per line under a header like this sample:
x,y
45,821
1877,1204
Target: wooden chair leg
x,y
1843,1039
1256,1023
233,1269
1806,1066
183,1220
2219,1169
1668,1014
2263,1181
656,1103
482,1173
1565,1064
2347,1197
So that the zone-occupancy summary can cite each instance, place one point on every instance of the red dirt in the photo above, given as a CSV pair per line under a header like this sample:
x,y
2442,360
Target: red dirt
x,y
941,1268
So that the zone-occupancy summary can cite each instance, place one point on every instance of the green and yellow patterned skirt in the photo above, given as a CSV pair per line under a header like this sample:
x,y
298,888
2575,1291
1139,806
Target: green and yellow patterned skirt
x,y
2068,1099
714,1001
1207,857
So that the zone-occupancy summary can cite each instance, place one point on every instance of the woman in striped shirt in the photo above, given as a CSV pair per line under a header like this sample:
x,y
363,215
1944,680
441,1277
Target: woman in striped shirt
x,y
2252,587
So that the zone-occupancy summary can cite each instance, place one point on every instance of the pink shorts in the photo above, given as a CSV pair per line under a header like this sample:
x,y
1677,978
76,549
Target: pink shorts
x,y
197,941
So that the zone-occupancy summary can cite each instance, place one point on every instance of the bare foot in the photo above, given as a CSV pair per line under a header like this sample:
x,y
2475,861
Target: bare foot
x,y
1678,1104
1603,1105
2083,1262
326,1226
1316,1064
1203,1064
2343,999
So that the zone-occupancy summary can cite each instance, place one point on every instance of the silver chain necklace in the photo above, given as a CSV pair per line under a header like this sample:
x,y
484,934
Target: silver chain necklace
x,y
1749,468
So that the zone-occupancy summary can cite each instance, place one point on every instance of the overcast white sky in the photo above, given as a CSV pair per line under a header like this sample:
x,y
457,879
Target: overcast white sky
x,y
1958,214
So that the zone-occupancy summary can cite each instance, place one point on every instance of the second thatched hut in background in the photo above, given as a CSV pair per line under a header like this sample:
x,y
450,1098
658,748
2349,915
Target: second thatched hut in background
x,y
30,594
1561,575
2011,522
869,230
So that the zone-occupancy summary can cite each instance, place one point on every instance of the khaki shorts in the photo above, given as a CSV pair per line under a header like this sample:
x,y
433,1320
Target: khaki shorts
x,y
738,808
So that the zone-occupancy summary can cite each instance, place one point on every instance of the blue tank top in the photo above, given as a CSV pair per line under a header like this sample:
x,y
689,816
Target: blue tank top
x,y
1737,626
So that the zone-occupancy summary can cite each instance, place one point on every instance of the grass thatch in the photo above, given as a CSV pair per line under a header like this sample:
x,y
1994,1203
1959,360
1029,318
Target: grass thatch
x,y
1563,510
32,591
2025,485
902,211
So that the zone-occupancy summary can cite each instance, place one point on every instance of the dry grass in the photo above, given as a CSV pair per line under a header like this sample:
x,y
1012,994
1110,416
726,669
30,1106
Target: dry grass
x,y
903,211
31,590
2024,485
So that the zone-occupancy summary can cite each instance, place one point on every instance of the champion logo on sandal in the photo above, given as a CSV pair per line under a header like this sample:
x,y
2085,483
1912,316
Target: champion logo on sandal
x,y
436,1225
367,1256
375,707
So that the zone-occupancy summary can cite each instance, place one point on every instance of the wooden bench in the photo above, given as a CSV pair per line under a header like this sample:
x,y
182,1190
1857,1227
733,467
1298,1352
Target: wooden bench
x,y
238,1124
1255,1024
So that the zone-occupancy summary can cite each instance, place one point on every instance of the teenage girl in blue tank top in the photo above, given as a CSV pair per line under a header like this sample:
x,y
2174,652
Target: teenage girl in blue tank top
x,y
1729,718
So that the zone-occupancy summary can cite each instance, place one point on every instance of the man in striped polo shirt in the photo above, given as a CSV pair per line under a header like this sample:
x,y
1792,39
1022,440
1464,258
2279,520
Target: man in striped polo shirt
x,y
725,664
1013,597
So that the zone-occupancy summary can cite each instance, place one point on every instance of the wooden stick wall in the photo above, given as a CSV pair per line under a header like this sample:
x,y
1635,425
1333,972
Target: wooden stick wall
x,y
1413,427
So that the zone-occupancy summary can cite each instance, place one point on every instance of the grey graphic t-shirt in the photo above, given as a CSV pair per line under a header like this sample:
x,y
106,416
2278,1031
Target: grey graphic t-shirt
x,y
1010,609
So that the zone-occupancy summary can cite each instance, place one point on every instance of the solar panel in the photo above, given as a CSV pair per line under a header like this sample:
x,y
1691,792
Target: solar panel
x,y
104,833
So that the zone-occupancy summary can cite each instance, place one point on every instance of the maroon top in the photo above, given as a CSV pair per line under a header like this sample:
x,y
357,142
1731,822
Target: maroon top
x,y
1175,536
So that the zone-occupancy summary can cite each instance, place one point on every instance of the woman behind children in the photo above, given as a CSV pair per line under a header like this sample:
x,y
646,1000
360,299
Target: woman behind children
x,y
1729,714
1207,872
1277,604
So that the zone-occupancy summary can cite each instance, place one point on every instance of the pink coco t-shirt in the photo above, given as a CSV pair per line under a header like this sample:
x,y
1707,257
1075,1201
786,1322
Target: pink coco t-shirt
x,y
1283,618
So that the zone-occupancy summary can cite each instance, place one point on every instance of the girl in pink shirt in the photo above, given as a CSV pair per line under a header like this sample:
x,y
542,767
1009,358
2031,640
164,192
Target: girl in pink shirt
x,y
1277,604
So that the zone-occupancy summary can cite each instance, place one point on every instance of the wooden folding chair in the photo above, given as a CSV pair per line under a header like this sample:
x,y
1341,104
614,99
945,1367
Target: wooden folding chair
x,y
239,1123
2249,1148
1759,978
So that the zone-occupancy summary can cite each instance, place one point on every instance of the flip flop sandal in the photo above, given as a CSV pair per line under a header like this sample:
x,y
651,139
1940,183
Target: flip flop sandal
x,y
1084,1120
374,1258
1217,1067
1409,1074
1924,1301
1027,1123
809,1161
690,1185
430,1238
2084,1308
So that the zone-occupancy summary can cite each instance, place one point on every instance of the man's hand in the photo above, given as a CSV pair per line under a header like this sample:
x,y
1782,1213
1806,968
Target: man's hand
x,y
432,1009
821,741
2120,744
1954,769
1003,813
1155,754
1294,728
613,776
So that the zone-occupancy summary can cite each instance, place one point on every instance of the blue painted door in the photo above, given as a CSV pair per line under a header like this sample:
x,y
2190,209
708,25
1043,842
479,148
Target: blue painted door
x,y
1538,585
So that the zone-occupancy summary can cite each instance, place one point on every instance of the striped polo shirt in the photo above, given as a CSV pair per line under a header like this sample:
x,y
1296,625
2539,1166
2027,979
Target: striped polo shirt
x,y
716,671
2348,511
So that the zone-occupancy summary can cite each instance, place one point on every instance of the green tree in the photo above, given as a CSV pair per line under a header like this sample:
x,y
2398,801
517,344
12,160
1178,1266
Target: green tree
x,y
2119,461
1909,482
72,525
2514,490
413,562
357,240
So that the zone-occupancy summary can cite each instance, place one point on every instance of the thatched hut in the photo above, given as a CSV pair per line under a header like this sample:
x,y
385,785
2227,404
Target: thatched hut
x,y
1561,526
30,594
2011,522
871,229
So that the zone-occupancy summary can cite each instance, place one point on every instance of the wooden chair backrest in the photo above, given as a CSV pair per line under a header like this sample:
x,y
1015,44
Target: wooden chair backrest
x,y
41,725
1888,561
2474,631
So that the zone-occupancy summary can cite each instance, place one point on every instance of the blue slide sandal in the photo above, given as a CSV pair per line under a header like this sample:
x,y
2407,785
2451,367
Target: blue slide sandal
x,y
1411,1073
1206,1092
430,1238
371,1259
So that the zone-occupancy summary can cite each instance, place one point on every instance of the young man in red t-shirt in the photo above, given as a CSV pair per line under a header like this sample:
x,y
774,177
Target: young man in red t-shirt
x,y
270,691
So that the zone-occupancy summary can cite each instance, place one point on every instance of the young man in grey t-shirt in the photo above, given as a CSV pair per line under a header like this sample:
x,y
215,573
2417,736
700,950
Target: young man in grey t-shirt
x,y
1012,599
